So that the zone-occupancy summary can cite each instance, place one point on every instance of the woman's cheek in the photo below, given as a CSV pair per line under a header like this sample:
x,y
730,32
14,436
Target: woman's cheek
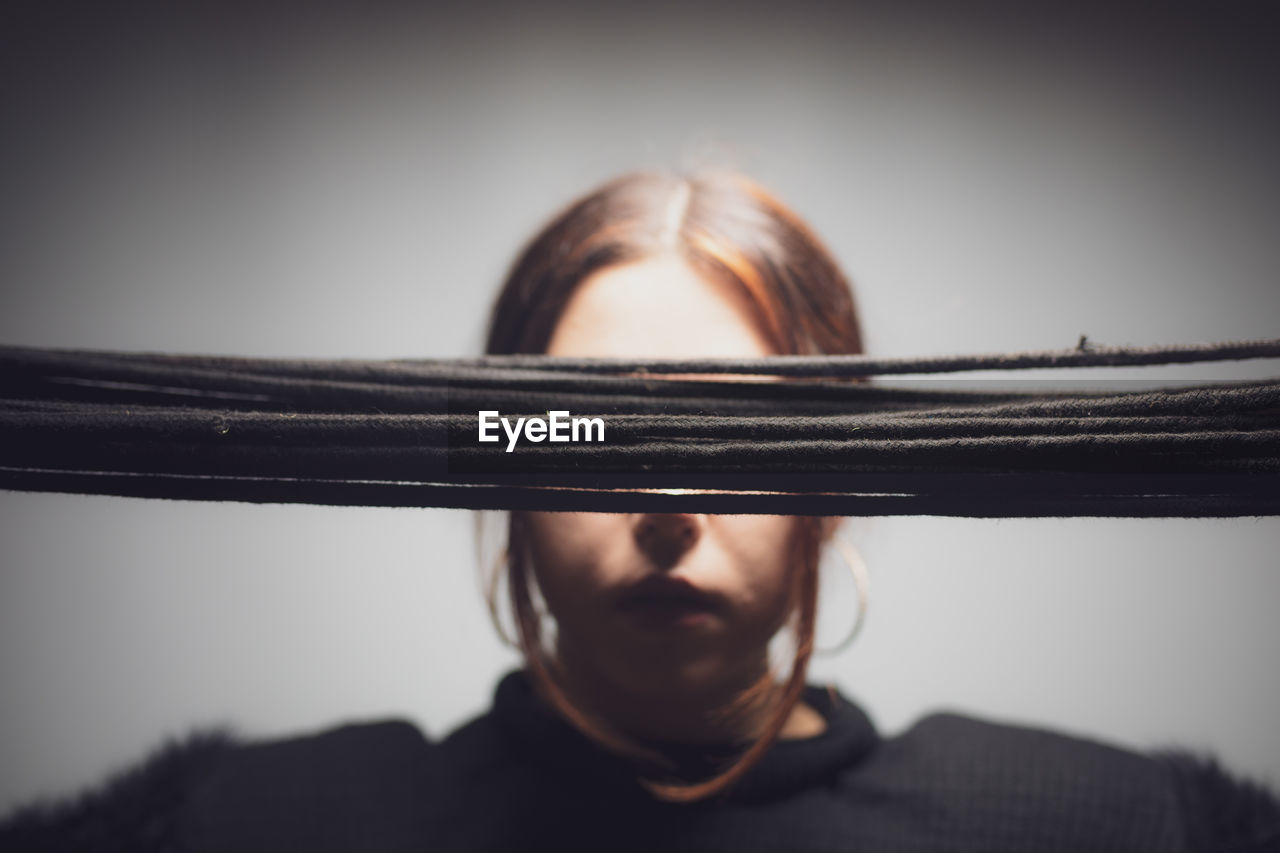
x,y
570,557
762,549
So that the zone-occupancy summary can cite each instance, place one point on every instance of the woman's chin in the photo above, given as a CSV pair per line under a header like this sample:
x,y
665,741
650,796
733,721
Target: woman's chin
x,y
677,679
681,664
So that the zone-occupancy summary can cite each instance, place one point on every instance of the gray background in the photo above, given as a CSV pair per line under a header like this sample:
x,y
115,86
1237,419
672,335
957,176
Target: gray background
x,y
267,182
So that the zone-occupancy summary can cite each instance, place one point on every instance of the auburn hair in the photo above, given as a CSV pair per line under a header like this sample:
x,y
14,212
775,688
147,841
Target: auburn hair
x,y
728,228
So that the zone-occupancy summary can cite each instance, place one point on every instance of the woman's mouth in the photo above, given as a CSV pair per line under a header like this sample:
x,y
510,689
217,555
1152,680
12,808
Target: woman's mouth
x,y
663,601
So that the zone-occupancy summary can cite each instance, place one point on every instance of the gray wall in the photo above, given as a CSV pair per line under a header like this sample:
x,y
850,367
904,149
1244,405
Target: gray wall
x,y
271,183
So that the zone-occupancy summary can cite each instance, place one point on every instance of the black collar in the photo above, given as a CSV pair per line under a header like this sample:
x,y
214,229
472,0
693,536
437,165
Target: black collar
x,y
541,736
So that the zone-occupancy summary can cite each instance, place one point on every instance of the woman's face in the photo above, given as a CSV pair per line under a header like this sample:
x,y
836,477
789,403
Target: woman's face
x,y
662,604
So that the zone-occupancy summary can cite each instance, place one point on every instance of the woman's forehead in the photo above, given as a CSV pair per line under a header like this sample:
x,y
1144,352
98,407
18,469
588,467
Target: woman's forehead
x,y
658,308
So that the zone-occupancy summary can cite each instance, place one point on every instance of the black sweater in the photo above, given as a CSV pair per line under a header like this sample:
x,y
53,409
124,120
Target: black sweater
x,y
518,778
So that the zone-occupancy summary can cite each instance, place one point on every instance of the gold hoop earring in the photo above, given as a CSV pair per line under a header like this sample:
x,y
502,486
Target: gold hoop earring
x,y
861,582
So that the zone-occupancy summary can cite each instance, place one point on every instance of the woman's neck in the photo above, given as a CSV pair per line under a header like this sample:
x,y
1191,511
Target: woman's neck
x,y
734,710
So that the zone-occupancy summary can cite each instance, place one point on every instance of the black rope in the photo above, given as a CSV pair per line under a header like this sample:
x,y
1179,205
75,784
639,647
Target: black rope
x,y
1084,355
404,433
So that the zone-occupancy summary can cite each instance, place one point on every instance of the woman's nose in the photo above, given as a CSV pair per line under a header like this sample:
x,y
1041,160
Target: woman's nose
x,y
665,537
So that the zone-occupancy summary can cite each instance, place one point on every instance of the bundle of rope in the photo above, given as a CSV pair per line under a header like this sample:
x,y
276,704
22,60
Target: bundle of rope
x,y
784,434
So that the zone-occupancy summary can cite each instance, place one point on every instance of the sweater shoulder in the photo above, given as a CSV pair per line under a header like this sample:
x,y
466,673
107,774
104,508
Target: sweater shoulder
x,y
315,792
358,750
1222,811
132,809
982,777
1006,747
1109,796
213,789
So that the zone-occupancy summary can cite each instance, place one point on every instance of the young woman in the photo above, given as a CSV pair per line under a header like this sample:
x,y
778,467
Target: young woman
x,y
649,715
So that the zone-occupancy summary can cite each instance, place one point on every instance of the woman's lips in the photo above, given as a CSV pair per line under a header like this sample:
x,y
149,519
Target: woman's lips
x,y
660,601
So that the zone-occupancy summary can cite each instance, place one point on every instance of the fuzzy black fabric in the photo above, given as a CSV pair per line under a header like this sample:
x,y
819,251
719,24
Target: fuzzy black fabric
x,y
1223,812
519,778
134,810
